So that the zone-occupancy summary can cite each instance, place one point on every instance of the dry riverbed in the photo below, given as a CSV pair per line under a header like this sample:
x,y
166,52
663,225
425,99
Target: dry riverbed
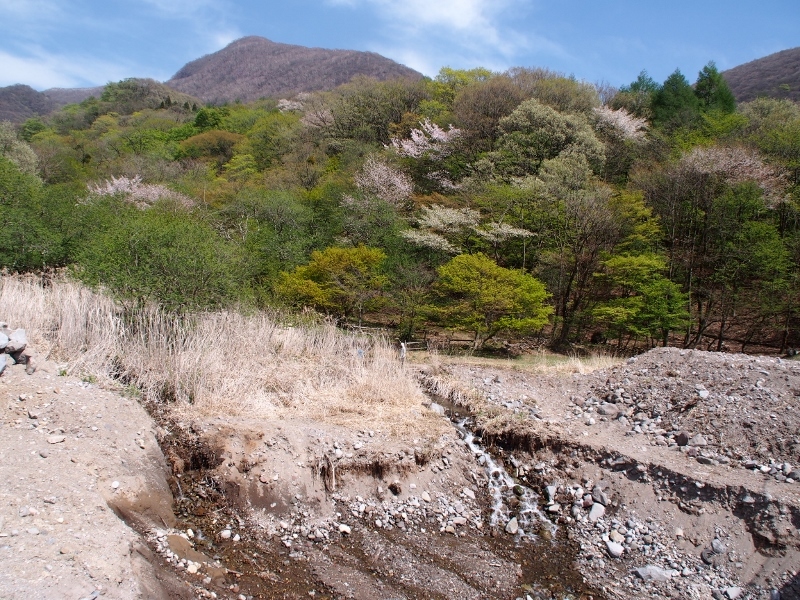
x,y
667,476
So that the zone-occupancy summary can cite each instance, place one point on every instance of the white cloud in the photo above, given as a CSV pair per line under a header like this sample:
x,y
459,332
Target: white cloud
x,y
455,32
30,9
42,70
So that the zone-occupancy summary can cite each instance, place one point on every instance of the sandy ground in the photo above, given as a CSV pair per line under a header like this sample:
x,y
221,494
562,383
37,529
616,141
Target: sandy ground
x,y
71,454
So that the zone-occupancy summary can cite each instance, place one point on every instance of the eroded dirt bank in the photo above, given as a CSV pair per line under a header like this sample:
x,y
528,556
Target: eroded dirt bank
x,y
627,483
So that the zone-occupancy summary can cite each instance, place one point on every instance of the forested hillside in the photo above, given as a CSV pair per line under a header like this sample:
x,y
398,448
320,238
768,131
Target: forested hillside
x,y
497,206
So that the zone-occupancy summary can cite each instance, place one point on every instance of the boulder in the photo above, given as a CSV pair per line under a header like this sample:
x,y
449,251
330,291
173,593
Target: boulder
x,y
16,341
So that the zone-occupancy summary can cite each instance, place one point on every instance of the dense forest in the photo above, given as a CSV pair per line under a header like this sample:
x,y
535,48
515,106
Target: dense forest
x,y
500,206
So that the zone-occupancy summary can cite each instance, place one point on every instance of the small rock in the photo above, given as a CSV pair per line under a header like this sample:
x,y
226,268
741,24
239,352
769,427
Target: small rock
x,y
614,549
3,341
733,592
616,536
703,394
468,493
67,549
513,526
192,568
681,438
598,495
56,439
698,440
344,529
115,485
609,410
425,496
225,534
654,573
264,477
597,512
237,537
717,546
43,453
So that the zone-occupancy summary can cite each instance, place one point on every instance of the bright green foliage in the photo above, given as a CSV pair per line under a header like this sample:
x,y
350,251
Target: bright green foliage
x,y
534,133
449,81
343,282
210,118
478,296
675,104
644,304
25,241
157,255
214,144
712,90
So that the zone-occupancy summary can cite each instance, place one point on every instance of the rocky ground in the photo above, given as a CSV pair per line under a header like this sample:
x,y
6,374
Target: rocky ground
x,y
677,471
670,475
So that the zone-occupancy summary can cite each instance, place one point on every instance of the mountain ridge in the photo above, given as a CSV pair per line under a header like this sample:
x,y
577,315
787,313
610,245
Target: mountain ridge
x,y
255,67
776,75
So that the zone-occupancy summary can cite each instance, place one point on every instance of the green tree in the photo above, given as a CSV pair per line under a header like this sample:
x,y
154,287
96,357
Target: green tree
x,y
675,104
643,303
477,295
534,133
341,281
160,255
712,90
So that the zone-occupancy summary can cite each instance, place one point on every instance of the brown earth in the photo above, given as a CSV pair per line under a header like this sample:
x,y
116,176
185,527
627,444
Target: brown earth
x,y
239,508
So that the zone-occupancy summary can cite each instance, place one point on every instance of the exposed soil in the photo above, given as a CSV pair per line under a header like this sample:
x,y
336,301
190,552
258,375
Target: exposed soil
x,y
233,508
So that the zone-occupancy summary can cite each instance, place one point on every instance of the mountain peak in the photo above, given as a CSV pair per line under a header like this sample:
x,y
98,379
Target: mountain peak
x,y
254,67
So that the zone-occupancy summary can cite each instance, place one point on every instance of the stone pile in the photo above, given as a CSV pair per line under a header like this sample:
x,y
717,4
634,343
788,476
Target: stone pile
x,y
14,349
657,565
702,414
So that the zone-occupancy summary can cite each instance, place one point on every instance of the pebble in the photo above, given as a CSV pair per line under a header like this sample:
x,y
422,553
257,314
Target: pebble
x,y
597,512
513,526
344,529
654,573
615,549
468,493
225,534
425,496
56,439
115,485
717,546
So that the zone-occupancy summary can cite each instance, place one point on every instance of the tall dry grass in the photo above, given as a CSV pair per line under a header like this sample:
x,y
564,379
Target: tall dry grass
x,y
222,363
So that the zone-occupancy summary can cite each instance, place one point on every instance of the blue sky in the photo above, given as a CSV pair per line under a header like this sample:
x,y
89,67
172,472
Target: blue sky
x,y
80,43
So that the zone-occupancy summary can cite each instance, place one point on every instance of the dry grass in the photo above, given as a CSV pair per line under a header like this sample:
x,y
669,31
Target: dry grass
x,y
539,363
224,363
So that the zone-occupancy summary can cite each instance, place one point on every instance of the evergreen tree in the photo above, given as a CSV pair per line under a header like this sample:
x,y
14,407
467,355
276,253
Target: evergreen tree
x,y
712,90
675,104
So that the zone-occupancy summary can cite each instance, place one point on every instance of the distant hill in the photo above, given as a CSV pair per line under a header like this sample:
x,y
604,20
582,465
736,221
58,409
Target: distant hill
x,y
775,76
20,102
254,67
64,96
